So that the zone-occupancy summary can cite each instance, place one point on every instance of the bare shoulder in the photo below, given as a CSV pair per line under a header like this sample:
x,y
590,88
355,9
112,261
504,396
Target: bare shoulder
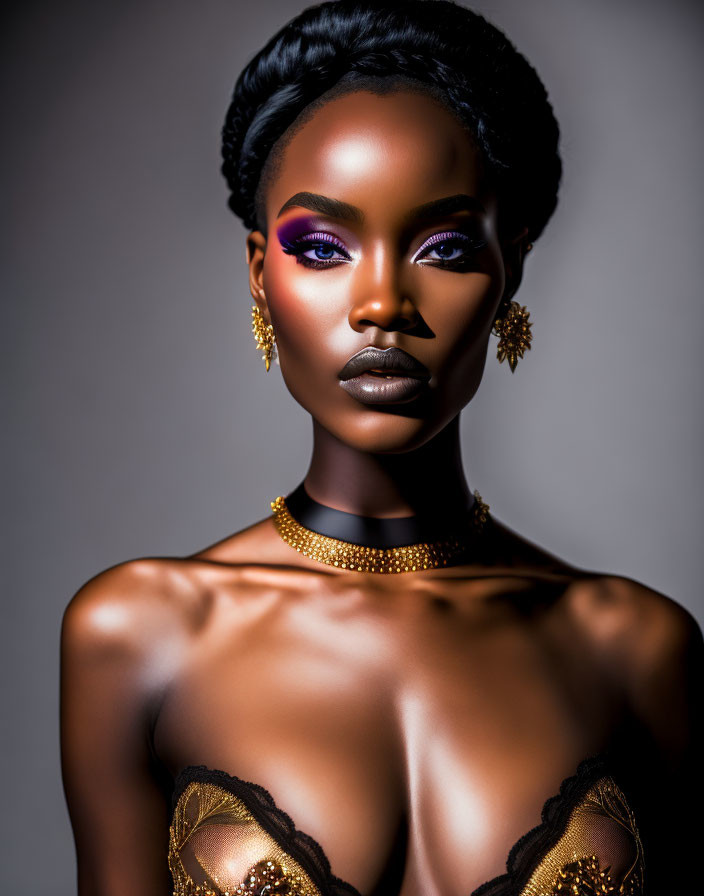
x,y
135,608
625,617
125,637
653,648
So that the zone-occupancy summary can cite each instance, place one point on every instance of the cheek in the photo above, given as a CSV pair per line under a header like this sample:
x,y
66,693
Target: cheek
x,y
295,300
305,308
460,314
463,308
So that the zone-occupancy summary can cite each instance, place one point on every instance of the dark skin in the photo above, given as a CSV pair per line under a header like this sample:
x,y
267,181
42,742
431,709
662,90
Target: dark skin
x,y
414,725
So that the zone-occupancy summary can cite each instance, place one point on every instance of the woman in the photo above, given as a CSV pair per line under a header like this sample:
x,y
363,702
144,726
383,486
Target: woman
x,y
380,688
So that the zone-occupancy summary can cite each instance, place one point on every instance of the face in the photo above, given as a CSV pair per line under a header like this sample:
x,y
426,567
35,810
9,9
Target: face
x,y
382,233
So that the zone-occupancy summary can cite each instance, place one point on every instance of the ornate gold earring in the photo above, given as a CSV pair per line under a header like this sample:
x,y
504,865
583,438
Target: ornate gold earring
x,y
264,336
514,332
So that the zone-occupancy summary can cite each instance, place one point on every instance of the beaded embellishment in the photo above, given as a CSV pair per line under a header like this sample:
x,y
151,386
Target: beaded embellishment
x,y
346,555
267,877
585,877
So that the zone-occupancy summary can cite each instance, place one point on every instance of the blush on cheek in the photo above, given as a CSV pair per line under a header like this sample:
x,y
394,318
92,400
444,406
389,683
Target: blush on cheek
x,y
300,299
282,286
294,313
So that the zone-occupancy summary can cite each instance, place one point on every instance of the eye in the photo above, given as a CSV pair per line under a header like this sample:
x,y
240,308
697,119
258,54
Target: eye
x,y
449,249
316,250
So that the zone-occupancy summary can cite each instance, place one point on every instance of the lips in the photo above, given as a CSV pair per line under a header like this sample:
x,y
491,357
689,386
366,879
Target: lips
x,y
383,376
387,360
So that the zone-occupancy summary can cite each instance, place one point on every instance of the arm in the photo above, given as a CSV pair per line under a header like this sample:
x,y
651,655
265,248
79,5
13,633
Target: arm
x,y
664,686
113,650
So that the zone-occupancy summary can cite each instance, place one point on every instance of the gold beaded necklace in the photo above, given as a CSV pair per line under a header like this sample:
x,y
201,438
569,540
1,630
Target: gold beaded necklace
x,y
407,558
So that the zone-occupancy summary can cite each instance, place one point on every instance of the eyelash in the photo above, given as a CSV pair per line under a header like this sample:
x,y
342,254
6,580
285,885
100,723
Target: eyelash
x,y
455,239
311,241
300,245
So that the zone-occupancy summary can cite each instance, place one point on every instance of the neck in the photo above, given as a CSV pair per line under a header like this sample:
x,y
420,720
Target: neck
x,y
416,483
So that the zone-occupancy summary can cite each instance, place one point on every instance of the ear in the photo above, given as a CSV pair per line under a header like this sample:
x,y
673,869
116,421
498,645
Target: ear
x,y
514,251
256,250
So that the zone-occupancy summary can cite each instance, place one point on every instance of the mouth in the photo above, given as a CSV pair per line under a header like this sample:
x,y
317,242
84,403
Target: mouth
x,y
384,373
383,376
384,362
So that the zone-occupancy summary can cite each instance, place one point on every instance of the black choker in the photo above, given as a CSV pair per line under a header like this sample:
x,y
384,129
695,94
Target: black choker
x,y
367,544
375,532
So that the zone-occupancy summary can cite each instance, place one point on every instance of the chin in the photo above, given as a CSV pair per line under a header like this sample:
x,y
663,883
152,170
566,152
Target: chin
x,y
385,432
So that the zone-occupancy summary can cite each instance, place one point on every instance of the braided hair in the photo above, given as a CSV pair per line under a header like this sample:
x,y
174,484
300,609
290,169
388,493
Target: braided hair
x,y
437,46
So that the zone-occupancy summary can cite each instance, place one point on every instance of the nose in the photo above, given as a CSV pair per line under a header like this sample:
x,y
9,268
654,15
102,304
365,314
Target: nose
x,y
380,299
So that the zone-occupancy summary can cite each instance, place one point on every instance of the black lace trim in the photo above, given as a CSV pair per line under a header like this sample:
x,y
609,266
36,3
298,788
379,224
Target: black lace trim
x,y
300,846
523,858
532,847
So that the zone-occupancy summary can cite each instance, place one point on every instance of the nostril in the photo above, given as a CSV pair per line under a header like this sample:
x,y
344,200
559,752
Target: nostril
x,y
394,323
390,313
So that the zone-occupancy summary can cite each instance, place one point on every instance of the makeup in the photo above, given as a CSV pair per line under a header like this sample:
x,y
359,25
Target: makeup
x,y
384,376
451,249
294,228
314,247
371,389
310,244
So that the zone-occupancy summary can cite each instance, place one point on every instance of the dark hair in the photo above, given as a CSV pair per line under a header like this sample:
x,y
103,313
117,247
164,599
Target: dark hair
x,y
437,45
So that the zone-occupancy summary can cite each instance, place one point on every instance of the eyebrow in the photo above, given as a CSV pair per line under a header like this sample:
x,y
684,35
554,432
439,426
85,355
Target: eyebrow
x,y
335,208
324,205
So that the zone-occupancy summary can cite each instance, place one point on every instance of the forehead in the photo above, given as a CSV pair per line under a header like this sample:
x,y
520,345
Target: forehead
x,y
383,153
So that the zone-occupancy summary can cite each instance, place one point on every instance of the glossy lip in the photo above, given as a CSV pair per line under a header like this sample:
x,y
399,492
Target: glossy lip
x,y
370,389
400,376
394,360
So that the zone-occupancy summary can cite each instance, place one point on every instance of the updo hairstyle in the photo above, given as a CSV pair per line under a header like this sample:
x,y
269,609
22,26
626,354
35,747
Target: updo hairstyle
x,y
436,46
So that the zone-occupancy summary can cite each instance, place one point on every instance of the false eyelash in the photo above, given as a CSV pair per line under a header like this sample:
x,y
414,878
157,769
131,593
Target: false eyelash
x,y
298,250
470,244
297,247
453,236
318,236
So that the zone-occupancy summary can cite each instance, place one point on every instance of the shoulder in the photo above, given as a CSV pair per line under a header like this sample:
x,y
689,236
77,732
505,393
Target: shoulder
x,y
652,647
134,608
627,618
663,661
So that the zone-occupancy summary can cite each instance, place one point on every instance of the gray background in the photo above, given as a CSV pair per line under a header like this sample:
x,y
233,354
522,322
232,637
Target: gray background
x,y
141,419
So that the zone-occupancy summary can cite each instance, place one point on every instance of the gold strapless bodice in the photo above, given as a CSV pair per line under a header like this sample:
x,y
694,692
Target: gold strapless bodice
x,y
228,838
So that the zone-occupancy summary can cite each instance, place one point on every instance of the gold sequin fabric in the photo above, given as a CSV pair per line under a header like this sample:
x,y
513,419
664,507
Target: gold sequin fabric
x,y
346,555
217,848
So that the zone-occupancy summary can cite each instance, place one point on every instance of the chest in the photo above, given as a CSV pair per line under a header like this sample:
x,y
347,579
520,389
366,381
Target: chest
x,y
417,748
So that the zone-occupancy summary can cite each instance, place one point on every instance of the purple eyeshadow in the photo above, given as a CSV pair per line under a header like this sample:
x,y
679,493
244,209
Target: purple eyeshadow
x,y
290,231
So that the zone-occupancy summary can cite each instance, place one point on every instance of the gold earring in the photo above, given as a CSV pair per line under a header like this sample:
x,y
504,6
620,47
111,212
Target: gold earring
x,y
264,336
514,332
